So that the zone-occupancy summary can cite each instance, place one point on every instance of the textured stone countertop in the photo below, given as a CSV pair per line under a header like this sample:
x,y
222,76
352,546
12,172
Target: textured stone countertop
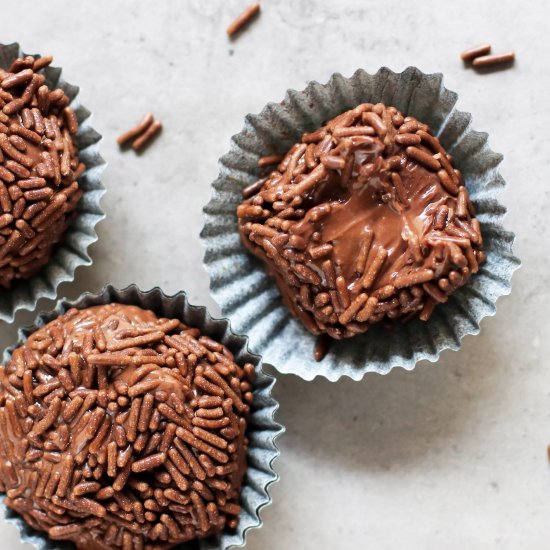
x,y
451,455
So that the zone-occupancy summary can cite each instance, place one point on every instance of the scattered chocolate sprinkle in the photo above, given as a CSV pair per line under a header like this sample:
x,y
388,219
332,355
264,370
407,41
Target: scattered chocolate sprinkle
x,y
364,220
136,131
243,19
114,453
494,59
39,162
147,137
476,51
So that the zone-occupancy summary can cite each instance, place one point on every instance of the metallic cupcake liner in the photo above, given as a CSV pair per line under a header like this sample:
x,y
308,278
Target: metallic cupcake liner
x,y
250,298
262,428
72,252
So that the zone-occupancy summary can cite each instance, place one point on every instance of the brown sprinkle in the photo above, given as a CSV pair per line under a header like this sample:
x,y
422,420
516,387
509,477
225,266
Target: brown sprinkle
x,y
322,346
476,51
132,468
137,130
413,278
494,59
243,19
353,309
408,139
147,136
424,158
269,160
374,268
376,122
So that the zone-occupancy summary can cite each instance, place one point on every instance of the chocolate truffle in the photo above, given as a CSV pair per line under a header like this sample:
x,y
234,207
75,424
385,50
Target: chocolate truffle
x,y
39,168
364,220
123,430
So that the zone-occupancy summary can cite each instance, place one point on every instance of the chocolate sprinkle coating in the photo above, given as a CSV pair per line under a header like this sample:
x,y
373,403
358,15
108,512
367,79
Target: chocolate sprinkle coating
x,y
123,430
364,220
39,168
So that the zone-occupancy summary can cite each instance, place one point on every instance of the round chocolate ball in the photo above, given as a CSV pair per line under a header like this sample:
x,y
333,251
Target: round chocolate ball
x,y
123,430
364,220
39,168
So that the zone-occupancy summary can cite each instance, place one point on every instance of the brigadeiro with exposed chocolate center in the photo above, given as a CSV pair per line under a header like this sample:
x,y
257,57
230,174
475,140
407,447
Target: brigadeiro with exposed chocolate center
x,y
364,220
39,168
123,430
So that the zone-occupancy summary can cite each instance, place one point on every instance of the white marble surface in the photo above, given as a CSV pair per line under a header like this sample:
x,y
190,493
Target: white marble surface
x,y
449,456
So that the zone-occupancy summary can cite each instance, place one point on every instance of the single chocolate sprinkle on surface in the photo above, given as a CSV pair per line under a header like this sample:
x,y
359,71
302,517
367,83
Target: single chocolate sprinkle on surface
x,y
136,131
39,169
476,51
365,220
243,19
147,137
494,59
112,453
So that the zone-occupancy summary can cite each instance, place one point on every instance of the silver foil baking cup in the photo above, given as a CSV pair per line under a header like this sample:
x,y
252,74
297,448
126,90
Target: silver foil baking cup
x,y
72,251
262,427
251,299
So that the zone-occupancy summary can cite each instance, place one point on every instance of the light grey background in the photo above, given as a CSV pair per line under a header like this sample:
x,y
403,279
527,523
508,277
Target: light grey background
x,y
449,456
